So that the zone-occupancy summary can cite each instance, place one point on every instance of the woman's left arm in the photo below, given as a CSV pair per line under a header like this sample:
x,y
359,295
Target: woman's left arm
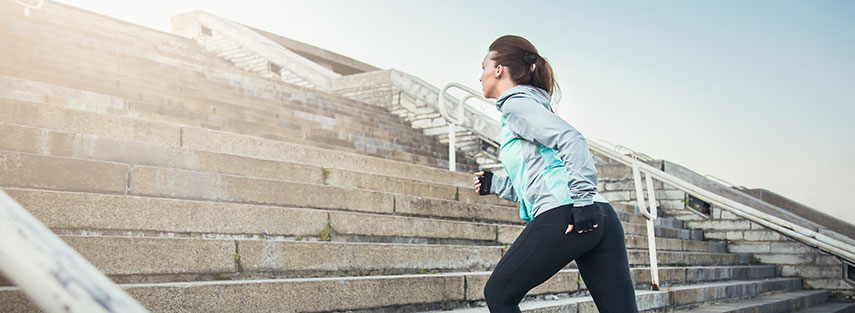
x,y
534,122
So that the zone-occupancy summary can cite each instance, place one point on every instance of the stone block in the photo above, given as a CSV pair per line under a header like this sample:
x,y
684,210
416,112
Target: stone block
x,y
749,247
347,258
299,295
791,247
438,207
86,122
780,258
565,281
507,234
92,212
408,227
758,235
720,225
135,255
812,271
35,171
192,185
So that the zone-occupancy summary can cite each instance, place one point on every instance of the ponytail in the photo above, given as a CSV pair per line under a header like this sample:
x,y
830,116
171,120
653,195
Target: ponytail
x,y
527,67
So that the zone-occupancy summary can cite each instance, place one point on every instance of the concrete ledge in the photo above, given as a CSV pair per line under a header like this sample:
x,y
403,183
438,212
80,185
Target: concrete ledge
x,y
687,295
131,255
437,207
793,301
223,142
79,121
299,295
93,147
366,258
35,171
352,293
408,227
181,184
96,212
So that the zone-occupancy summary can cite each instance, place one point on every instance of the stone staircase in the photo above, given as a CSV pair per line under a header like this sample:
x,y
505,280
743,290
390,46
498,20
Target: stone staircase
x,y
202,188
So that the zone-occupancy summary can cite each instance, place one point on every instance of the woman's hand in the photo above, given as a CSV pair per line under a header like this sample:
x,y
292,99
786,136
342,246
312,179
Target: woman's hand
x,y
482,178
584,219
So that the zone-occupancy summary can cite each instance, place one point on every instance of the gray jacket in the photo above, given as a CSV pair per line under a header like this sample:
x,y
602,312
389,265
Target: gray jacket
x,y
547,160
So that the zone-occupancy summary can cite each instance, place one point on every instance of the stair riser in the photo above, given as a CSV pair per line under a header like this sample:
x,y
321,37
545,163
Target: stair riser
x,y
360,293
176,256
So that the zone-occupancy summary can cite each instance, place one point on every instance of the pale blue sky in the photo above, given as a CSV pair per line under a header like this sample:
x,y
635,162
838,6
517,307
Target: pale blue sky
x,y
759,93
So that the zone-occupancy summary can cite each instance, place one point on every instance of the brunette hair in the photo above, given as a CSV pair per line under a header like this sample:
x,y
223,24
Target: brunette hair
x,y
527,67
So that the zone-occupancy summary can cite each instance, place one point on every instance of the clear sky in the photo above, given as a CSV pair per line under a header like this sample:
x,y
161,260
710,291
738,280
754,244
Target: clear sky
x,y
758,93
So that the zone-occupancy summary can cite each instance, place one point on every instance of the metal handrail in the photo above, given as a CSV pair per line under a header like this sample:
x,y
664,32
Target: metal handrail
x,y
833,246
813,238
27,6
49,271
453,122
633,153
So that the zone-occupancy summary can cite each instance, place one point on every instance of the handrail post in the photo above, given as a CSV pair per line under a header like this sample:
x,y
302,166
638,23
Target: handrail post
x,y
27,6
49,271
650,216
453,122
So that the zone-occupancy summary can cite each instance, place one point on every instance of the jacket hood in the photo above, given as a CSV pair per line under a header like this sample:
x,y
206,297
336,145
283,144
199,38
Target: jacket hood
x,y
535,93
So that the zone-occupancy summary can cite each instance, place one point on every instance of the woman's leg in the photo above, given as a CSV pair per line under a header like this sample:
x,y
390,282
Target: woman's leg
x,y
605,268
540,251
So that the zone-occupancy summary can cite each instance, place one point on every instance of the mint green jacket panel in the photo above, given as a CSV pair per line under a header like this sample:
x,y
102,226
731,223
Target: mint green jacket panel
x,y
547,160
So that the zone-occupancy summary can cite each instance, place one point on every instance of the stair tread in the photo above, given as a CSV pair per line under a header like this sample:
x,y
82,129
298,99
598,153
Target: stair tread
x,y
756,302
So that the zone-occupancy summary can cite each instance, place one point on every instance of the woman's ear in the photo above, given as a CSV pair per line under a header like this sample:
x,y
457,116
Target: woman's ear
x,y
499,70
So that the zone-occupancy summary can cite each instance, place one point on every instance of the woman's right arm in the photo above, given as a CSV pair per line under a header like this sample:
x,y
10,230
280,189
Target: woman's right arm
x,y
499,185
503,188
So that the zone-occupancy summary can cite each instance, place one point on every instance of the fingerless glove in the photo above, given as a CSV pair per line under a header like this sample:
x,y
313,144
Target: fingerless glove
x,y
486,180
584,217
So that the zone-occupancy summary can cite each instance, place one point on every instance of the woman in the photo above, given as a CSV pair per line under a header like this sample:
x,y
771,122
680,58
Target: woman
x,y
552,174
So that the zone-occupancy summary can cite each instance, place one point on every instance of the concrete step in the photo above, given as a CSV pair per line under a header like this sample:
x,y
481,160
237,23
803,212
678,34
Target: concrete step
x,y
404,140
790,301
169,259
831,307
634,229
65,174
100,28
174,82
665,300
68,122
400,293
404,148
78,121
28,171
76,213
93,147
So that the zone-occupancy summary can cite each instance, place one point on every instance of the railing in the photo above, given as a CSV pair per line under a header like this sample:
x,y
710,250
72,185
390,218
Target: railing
x,y
454,122
838,248
813,238
49,271
27,6
650,216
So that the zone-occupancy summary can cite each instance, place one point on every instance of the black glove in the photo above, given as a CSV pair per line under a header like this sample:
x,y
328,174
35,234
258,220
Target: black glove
x,y
485,180
583,218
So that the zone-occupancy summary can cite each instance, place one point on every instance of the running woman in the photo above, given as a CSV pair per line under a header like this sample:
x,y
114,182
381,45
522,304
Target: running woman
x,y
551,174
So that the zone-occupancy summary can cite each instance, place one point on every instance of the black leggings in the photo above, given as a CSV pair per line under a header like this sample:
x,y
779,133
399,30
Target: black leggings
x,y
542,249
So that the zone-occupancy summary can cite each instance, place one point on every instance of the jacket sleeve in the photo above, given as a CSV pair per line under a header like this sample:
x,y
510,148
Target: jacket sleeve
x,y
502,187
533,122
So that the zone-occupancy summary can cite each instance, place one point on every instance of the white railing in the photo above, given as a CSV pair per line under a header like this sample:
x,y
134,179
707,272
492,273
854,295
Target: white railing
x,y
650,216
28,6
813,238
634,160
49,271
454,122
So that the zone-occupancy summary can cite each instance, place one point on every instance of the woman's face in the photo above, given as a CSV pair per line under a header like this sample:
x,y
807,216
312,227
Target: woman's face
x,y
488,76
